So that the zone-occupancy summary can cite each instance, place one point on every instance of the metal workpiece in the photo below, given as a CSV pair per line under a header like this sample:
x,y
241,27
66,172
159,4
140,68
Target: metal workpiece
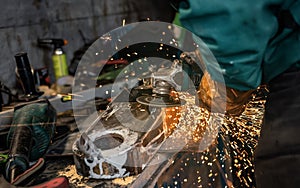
x,y
115,146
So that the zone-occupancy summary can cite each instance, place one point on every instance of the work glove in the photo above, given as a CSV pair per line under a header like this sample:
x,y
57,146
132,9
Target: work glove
x,y
216,97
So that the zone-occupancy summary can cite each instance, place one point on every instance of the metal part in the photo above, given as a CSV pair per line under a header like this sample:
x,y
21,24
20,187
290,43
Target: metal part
x,y
115,146
104,152
165,81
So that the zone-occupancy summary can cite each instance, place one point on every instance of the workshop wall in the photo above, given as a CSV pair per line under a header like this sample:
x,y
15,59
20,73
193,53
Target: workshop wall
x,y
22,22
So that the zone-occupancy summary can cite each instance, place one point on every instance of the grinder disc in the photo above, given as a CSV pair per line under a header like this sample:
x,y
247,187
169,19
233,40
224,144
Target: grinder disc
x,y
158,101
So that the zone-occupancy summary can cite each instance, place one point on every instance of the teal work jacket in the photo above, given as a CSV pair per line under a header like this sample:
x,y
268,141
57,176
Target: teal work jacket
x,y
244,37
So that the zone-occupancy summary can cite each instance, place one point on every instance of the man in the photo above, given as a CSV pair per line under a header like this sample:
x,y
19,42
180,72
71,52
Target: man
x,y
256,42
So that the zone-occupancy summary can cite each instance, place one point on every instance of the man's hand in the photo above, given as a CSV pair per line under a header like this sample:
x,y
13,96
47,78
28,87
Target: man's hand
x,y
216,97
